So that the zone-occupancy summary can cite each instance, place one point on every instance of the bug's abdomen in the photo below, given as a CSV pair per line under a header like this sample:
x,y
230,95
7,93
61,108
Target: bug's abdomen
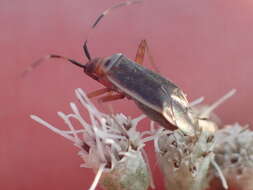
x,y
156,116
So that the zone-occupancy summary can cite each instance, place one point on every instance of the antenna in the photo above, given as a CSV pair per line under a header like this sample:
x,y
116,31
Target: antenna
x,y
101,16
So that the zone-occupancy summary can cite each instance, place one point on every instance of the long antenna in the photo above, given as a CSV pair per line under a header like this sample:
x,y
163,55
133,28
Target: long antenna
x,y
102,15
50,56
85,47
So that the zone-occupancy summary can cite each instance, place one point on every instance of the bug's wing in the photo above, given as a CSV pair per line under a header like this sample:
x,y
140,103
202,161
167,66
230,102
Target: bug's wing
x,y
179,113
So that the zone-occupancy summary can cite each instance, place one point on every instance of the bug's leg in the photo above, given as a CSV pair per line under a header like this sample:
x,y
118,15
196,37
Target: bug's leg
x,y
111,97
98,92
140,52
143,46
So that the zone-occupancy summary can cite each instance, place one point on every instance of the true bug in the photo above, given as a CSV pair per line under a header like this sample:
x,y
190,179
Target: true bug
x,y
160,99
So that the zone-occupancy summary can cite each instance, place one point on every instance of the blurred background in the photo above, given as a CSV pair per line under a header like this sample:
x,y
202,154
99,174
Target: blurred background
x,y
205,47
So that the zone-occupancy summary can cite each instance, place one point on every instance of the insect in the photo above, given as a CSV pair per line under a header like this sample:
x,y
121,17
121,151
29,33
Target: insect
x,y
160,99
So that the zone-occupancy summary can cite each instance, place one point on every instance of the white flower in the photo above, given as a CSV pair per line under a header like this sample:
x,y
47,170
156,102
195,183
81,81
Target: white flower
x,y
185,160
234,154
110,145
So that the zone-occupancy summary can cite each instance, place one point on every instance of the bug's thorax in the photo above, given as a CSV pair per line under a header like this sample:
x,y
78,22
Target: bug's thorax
x,y
98,68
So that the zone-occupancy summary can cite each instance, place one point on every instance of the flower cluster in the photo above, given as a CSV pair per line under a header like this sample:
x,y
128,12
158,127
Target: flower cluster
x,y
234,155
190,158
112,146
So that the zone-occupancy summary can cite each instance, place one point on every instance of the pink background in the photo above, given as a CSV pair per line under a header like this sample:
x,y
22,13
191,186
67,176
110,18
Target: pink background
x,y
203,46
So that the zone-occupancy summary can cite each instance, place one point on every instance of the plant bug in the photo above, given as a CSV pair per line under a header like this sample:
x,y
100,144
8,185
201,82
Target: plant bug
x,y
160,99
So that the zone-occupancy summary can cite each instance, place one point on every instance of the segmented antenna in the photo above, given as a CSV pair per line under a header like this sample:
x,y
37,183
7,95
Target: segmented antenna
x,y
107,11
85,47
86,51
102,15
50,56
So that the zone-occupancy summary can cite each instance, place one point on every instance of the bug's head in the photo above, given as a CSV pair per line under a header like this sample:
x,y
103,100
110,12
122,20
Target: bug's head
x,y
93,68
100,66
